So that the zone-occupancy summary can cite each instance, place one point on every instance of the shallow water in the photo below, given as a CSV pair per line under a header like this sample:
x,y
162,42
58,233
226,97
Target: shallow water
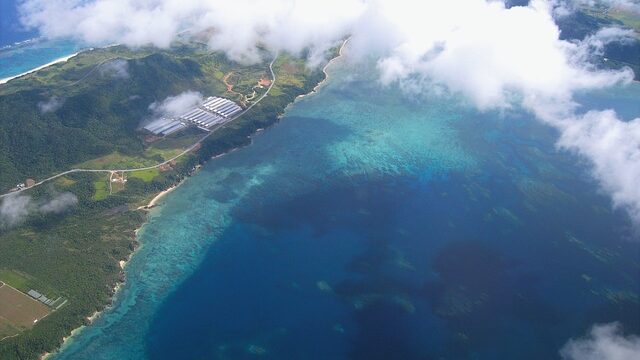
x,y
371,225
21,49
20,58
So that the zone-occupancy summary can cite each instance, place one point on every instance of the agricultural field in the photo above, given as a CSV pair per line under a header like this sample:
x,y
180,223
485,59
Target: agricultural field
x,y
18,311
145,175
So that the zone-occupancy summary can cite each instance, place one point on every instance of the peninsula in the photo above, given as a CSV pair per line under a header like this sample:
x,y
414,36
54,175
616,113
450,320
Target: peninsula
x,y
76,134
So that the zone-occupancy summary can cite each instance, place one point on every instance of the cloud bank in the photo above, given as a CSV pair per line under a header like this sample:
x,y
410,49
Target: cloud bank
x,y
496,56
604,342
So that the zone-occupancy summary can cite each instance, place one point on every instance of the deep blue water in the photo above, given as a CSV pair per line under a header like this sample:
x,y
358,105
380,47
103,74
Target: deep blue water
x,y
11,30
368,225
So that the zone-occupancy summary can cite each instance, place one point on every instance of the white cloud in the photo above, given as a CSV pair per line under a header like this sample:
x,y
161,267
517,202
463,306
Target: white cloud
x,y
495,56
604,342
239,26
53,104
14,209
613,146
117,69
59,203
176,105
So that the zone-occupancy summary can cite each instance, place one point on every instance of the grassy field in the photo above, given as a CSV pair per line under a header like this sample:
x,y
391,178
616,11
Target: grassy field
x,y
18,311
145,175
15,279
25,282
117,161
101,189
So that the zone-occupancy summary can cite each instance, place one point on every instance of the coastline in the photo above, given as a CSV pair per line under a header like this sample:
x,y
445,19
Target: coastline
x,y
118,285
123,263
158,197
324,71
56,61
154,203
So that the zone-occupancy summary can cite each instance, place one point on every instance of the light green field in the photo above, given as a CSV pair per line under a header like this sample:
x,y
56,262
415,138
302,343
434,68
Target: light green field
x,y
15,279
65,182
25,282
116,160
145,175
101,190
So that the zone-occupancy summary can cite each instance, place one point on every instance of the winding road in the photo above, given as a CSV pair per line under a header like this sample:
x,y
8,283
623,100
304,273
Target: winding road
x,y
189,149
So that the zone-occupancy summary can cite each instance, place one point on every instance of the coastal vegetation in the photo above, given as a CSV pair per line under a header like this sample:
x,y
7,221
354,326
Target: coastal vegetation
x,y
587,20
80,114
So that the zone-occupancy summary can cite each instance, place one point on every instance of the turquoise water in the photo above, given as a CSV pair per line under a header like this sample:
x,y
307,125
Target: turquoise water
x,y
22,49
369,225
17,59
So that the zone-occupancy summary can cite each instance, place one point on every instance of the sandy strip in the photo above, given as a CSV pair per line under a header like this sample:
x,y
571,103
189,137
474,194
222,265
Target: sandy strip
x,y
157,198
324,70
60,60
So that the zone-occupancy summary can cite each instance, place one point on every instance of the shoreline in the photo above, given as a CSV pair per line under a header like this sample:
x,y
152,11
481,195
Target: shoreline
x,y
154,202
56,61
122,263
324,71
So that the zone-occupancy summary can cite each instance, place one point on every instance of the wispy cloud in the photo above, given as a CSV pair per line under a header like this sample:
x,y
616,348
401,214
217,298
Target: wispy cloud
x,y
118,69
176,105
604,342
53,104
59,203
15,209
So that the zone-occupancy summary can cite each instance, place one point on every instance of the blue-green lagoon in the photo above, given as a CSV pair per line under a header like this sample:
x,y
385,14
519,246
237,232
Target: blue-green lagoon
x,y
369,224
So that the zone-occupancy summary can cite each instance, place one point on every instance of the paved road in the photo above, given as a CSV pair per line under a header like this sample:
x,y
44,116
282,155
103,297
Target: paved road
x,y
273,81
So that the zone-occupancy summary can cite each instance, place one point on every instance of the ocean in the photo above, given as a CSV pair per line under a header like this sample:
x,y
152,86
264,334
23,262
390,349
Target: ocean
x,y
23,49
369,224
11,30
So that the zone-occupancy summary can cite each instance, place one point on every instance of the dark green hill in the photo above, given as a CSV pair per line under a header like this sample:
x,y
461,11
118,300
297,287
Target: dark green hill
x,y
95,117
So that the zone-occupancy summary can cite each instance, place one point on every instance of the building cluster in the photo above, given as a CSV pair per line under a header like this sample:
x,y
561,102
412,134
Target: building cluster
x,y
164,126
43,299
213,111
27,184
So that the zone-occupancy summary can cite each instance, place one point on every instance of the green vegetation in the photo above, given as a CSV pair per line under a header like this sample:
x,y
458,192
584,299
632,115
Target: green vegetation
x,y
615,15
145,175
15,279
588,20
101,188
18,311
75,254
